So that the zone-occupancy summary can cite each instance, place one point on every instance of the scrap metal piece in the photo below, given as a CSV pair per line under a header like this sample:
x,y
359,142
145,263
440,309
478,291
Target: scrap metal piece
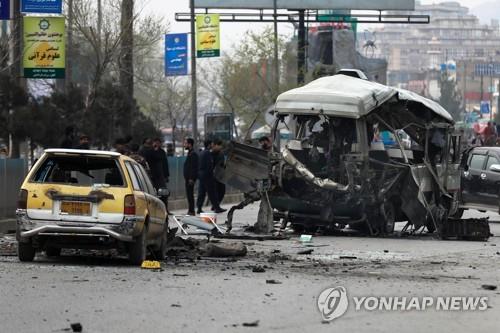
x,y
467,229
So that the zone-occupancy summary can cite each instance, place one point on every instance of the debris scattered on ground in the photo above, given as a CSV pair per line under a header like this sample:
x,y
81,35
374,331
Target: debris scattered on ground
x,y
76,327
252,237
489,287
177,274
258,269
251,324
309,251
348,257
175,305
386,251
153,264
272,281
224,250
305,238
278,257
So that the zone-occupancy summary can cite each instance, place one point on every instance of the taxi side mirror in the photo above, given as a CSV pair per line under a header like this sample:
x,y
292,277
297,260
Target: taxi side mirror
x,y
163,192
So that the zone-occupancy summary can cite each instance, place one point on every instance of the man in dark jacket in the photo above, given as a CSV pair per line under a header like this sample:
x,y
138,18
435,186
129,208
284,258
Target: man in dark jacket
x,y
218,156
159,169
207,181
190,173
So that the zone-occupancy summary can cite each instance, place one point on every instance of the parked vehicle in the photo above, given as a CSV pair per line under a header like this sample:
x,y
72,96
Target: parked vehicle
x,y
481,180
89,199
333,172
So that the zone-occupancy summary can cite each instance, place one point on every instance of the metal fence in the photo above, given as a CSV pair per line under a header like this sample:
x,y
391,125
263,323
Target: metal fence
x,y
12,173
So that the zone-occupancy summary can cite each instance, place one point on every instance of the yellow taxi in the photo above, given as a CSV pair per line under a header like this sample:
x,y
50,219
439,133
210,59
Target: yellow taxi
x,y
89,199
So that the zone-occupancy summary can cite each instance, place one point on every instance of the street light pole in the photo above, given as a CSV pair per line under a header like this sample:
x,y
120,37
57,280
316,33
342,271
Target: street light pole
x,y
276,64
194,103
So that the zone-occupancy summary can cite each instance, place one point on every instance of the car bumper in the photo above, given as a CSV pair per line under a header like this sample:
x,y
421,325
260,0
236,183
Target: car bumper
x,y
124,231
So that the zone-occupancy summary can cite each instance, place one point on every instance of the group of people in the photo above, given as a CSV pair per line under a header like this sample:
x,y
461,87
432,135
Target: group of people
x,y
201,166
489,136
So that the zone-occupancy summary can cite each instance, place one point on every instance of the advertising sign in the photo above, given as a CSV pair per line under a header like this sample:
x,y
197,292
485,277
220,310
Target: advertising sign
x,y
4,9
176,54
44,47
41,6
207,36
309,4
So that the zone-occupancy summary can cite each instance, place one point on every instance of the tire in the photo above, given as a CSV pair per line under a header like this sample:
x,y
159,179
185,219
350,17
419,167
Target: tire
x,y
162,250
25,252
137,250
389,217
53,251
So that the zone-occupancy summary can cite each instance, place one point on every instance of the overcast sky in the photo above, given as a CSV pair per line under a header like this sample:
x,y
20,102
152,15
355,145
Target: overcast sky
x,y
232,32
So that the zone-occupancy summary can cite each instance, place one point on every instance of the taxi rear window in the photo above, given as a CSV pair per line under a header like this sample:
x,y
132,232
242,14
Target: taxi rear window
x,y
79,171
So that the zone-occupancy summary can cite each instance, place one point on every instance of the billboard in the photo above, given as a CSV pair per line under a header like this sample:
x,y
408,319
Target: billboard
x,y
176,54
309,4
4,9
41,6
207,35
44,47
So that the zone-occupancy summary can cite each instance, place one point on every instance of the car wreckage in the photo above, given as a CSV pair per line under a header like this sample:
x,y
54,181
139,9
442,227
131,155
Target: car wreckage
x,y
336,171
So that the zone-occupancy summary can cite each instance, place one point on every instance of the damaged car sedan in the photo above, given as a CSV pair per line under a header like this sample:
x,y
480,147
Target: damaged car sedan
x,y
339,169
89,199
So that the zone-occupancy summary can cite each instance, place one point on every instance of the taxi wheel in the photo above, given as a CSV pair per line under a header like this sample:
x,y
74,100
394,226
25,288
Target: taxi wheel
x,y
25,251
137,249
162,250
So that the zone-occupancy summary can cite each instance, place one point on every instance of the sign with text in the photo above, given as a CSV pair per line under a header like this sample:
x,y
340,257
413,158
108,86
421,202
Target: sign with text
x,y
44,47
488,69
41,6
4,9
309,4
176,54
207,36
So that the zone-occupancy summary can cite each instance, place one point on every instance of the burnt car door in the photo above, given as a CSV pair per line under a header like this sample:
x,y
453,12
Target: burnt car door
x,y
471,180
490,180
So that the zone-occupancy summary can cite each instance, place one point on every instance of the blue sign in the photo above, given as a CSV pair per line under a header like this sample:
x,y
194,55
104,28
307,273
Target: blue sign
x,y
4,9
41,6
176,54
491,69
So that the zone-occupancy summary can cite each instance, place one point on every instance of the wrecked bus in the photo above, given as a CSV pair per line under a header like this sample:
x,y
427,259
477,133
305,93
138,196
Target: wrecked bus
x,y
338,170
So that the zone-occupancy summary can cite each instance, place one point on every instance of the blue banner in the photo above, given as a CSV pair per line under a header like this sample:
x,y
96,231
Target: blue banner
x,y
176,54
41,6
4,9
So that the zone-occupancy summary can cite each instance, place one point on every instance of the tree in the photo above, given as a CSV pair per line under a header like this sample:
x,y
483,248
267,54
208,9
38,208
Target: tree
x,y
450,98
243,81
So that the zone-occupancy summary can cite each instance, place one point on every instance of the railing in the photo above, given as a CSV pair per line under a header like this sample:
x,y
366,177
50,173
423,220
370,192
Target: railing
x,y
12,173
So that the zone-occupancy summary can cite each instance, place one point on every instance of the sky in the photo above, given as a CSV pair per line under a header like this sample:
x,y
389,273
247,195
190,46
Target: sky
x,y
231,33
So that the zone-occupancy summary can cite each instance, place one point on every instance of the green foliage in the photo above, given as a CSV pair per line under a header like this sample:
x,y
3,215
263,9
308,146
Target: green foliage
x,y
450,99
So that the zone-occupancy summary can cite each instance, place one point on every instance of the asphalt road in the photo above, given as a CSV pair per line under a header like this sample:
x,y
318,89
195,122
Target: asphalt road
x,y
105,294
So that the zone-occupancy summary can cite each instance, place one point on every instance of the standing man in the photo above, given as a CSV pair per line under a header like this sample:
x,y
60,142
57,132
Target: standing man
x,y
207,181
190,173
159,169
218,157
265,143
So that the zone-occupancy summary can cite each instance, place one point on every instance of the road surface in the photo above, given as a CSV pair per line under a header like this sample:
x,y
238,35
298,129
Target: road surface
x,y
105,294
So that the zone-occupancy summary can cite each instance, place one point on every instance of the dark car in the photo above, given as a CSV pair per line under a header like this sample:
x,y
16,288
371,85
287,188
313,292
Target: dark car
x,y
481,179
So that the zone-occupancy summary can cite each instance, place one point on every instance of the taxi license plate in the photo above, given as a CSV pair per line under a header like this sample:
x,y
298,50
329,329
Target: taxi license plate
x,y
75,208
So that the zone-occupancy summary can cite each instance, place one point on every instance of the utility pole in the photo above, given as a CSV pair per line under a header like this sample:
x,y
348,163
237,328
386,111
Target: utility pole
x,y
276,62
194,102
17,54
69,47
301,45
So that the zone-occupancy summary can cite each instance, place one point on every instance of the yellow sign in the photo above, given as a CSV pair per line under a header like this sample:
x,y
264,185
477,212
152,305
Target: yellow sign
x,y
44,54
208,35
